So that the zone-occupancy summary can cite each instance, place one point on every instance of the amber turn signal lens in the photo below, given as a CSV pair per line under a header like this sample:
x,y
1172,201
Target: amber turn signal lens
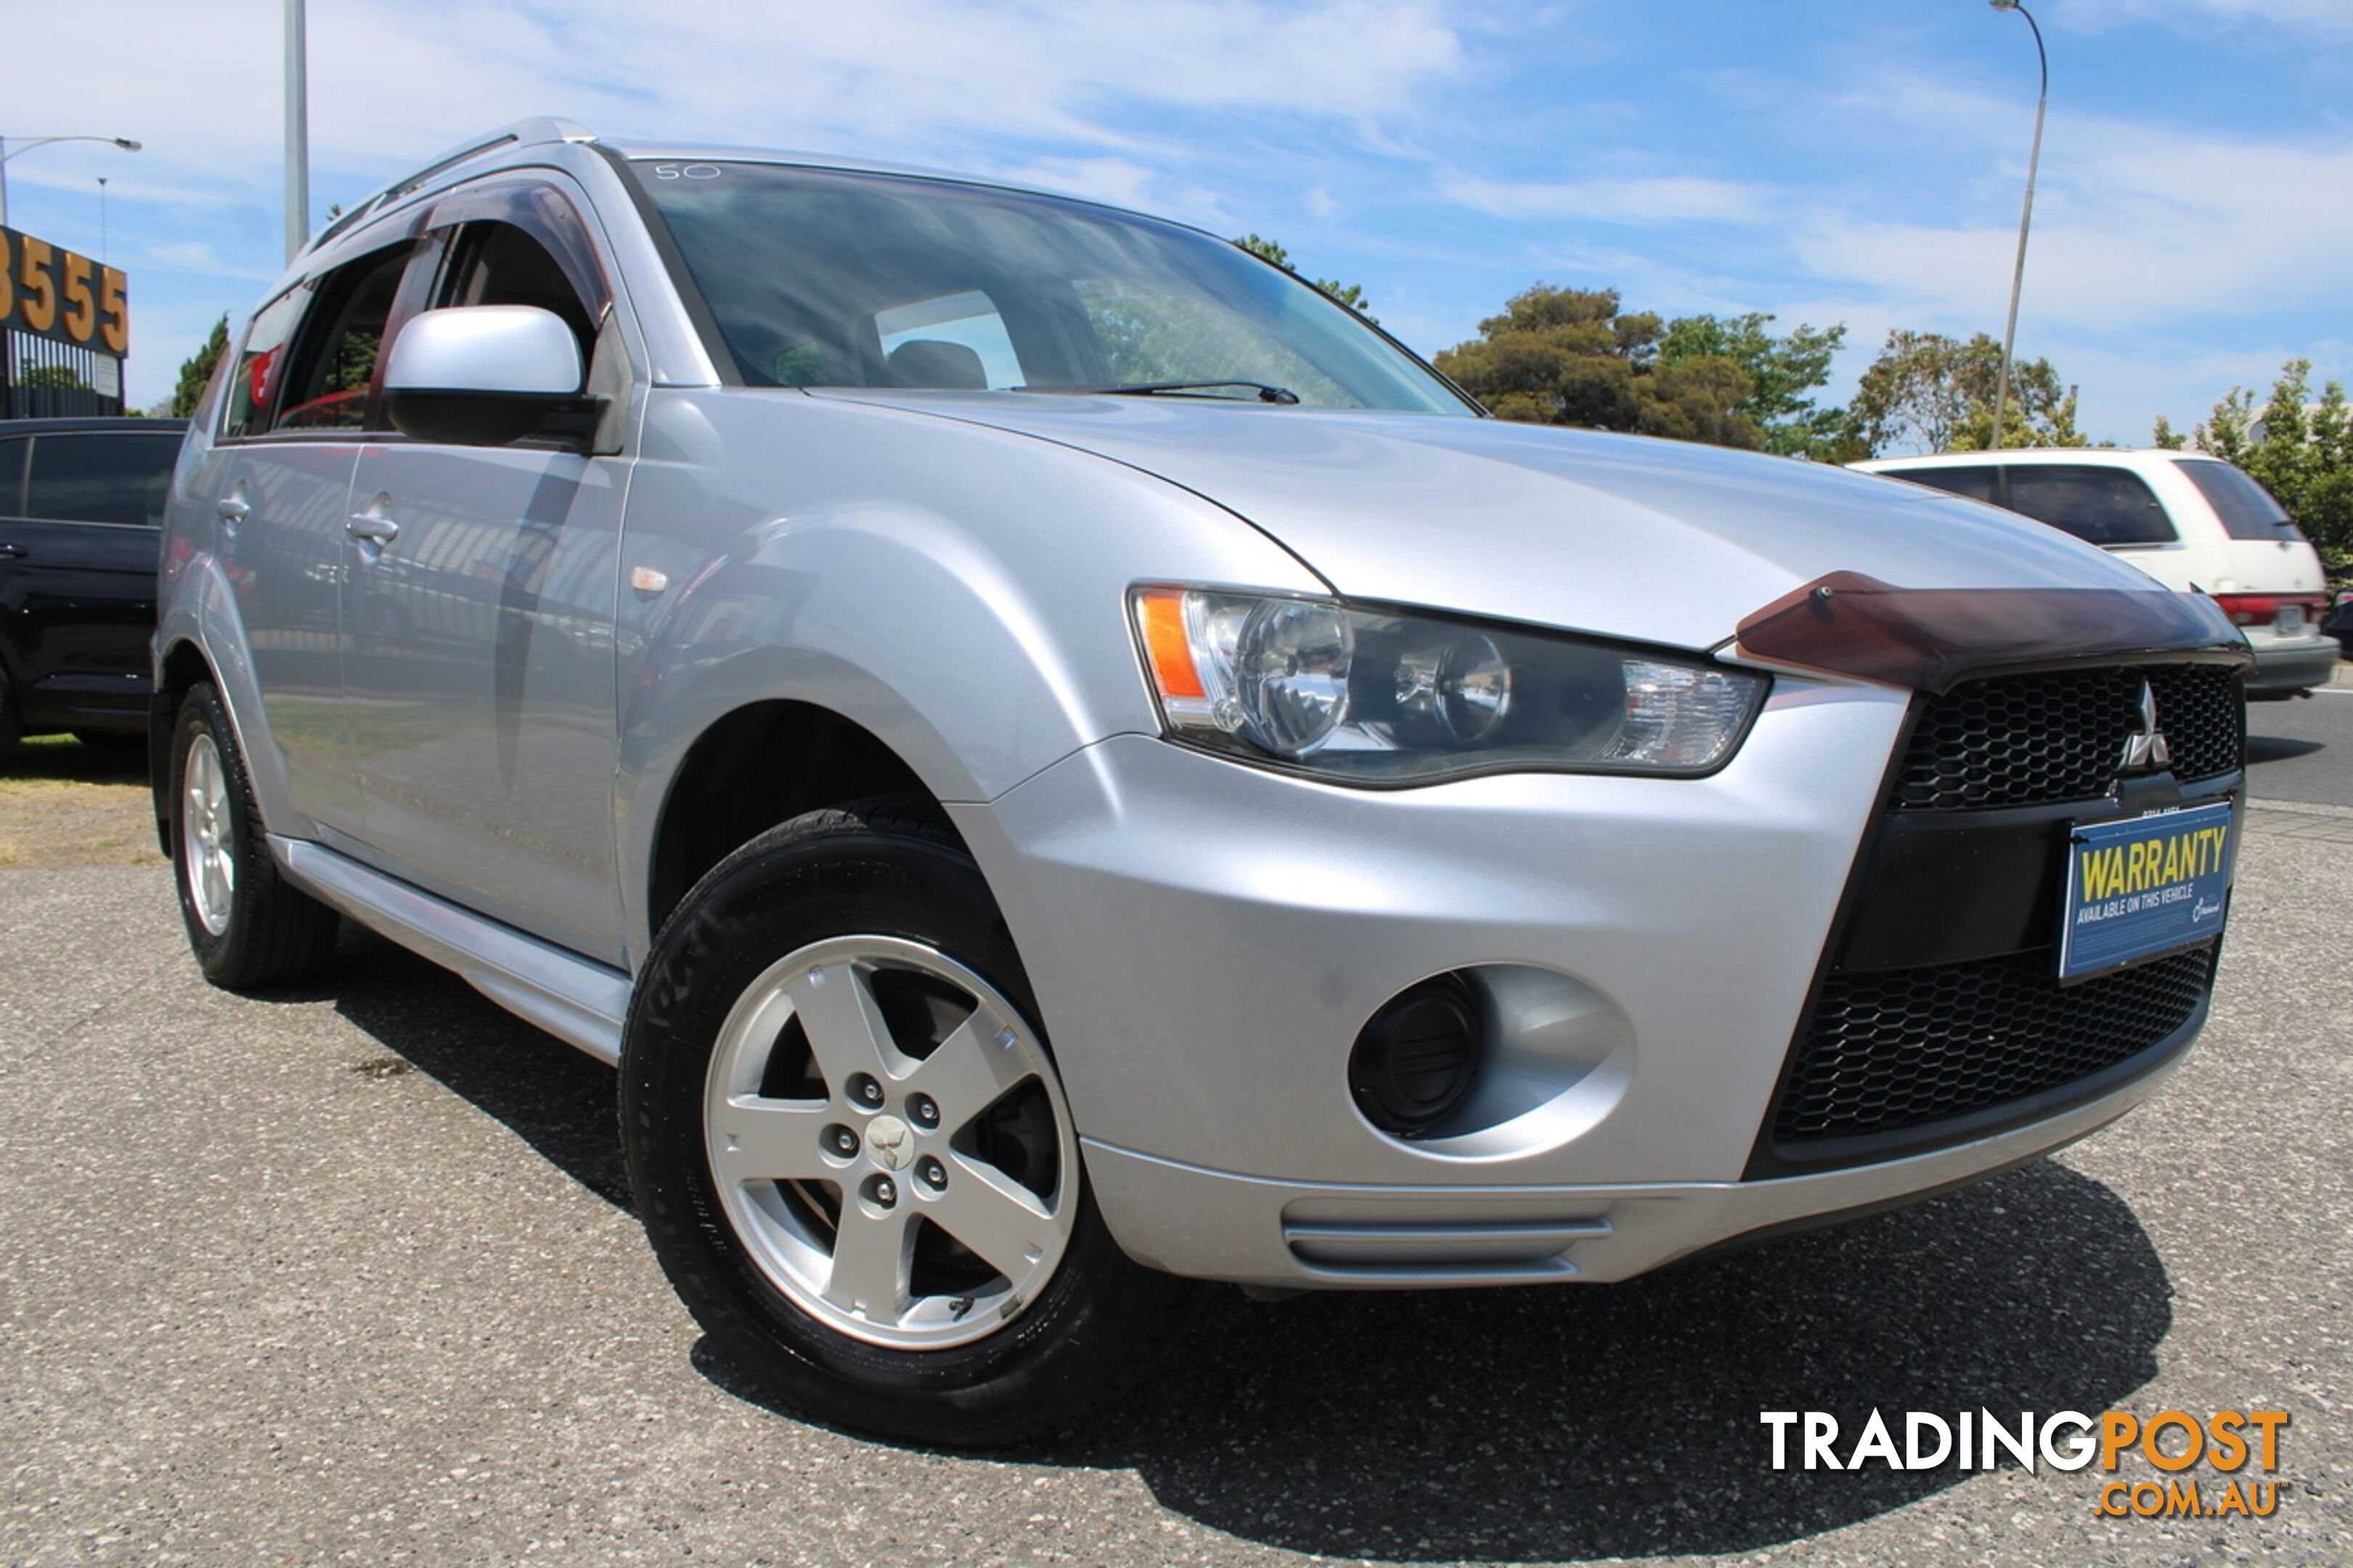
x,y
1161,612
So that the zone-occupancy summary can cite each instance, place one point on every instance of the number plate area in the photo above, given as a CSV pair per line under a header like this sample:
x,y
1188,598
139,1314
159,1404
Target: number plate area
x,y
2145,887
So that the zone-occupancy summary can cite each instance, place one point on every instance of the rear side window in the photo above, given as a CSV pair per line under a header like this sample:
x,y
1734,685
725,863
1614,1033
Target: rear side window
x,y
956,341
12,478
2099,506
1975,483
2246,509
253,390
101,477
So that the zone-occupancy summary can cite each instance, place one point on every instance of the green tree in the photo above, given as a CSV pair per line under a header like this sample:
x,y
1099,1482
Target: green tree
x,y
2299,449
62,378
1936,393
1349,294
196,370
1571,356
1782,371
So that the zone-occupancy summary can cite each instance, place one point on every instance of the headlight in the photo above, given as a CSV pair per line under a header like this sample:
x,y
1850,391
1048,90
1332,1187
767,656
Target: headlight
x,y
1374,697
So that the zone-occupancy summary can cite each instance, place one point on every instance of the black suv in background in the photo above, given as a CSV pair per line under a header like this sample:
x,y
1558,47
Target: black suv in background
x,y
81,505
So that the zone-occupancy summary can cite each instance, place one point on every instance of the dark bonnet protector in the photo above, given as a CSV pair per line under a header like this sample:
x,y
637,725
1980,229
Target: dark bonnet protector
x,y
1931,638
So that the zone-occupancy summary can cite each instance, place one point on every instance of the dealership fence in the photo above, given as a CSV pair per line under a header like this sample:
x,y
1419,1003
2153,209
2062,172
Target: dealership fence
x,y
42,378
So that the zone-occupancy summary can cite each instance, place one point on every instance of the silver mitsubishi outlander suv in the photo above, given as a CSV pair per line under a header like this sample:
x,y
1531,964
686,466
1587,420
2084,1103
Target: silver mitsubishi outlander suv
x,y
1061,762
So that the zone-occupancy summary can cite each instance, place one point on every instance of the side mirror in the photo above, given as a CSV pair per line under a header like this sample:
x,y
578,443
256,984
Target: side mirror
x,y
484,376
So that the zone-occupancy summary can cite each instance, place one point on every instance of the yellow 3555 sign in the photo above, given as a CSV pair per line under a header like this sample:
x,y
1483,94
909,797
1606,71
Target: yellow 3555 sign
x,y
62,294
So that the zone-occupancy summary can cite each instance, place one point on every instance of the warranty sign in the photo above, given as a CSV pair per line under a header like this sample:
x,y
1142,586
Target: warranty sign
x,y
2145,887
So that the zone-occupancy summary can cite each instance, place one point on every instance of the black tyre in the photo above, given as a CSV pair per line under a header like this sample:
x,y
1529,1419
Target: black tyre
x,y
251,928
850,1148
12,726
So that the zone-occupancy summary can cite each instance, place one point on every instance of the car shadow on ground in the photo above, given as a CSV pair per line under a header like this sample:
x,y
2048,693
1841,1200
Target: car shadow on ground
x,y
58,759
1505,1425
2263,749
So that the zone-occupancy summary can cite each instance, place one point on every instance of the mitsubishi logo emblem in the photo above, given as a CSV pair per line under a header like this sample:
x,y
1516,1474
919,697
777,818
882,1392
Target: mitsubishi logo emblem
x,y
2145,751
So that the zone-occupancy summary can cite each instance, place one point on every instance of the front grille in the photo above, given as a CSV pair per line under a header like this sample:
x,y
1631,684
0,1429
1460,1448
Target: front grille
x,y
2031,740
1901,1047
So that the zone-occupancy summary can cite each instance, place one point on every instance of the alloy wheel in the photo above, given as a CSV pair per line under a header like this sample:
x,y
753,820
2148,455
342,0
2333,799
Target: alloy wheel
x,y
888,1140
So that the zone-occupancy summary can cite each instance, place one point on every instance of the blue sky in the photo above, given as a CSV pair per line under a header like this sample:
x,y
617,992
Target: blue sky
x,y
1841,161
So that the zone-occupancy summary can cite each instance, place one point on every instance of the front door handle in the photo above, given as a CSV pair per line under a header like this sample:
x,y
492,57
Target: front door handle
x,y
12,552
233,508
374,526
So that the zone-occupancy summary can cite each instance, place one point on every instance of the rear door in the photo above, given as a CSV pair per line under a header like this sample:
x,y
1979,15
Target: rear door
x,y
78,553
481,665
279,479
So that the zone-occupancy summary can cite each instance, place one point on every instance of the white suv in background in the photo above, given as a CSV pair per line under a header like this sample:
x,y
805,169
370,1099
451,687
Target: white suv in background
x,y
2191,521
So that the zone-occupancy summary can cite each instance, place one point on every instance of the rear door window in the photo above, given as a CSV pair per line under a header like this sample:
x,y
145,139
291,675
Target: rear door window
x,y
2097,505
261,365
101,477
2246,509
1975,483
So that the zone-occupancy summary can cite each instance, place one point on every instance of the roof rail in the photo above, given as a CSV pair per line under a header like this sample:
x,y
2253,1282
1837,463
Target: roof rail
x,y
538,128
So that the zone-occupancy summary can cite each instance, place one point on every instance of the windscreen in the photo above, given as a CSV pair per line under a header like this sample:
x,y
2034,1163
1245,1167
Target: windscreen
x,y
818,277
2246,509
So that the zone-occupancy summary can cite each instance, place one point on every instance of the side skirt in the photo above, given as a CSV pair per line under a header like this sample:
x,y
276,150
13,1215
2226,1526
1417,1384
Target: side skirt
x,y
579,1002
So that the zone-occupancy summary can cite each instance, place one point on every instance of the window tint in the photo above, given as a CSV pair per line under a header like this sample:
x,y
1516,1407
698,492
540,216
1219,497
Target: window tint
x,y
101,477
2099,506
336,361
254,390
1975,483
12,476
2246,509
500,263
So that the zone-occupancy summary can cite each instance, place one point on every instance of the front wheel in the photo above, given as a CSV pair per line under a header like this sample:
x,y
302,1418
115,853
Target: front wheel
x,y
850,1149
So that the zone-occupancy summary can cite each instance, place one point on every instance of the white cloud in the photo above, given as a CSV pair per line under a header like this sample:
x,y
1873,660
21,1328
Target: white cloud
x,y
2135,225
1674,198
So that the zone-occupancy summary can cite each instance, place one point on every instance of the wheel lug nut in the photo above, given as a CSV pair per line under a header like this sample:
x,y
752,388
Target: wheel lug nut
x,y
935,1174
841,1141
884,1191
865,1091
925,1113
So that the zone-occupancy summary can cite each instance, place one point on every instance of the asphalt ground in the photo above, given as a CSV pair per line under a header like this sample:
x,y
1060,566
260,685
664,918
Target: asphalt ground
x,y
349,1275
2302,749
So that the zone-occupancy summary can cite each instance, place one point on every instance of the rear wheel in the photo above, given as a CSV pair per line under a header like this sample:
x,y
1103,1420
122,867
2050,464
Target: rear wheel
x,y
12,727
850,1149
249,927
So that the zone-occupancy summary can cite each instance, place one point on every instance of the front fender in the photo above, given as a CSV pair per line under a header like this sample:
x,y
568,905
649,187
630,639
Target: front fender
x,y
959,591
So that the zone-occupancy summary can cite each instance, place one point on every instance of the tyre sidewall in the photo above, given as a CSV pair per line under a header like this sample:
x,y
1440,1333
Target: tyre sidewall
x,y
779,894
201,713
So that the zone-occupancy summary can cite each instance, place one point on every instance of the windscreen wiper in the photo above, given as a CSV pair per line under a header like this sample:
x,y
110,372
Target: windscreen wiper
x,y
1266,393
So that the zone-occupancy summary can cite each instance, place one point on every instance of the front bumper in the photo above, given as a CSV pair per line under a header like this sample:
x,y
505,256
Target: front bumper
x,y
1206,940
2288,665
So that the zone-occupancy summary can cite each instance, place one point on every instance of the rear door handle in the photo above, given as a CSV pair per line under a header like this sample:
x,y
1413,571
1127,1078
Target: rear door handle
x,y
374,526
232,508
12,552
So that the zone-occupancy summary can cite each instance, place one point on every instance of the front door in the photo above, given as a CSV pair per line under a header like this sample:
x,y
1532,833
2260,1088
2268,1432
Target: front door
x,y
480,595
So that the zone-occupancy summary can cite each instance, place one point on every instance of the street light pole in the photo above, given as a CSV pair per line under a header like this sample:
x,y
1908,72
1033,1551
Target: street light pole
x,y
26,143
297,134
2025,218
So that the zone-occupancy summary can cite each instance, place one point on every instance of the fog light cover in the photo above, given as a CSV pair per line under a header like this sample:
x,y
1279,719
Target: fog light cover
x,y
1415,1062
